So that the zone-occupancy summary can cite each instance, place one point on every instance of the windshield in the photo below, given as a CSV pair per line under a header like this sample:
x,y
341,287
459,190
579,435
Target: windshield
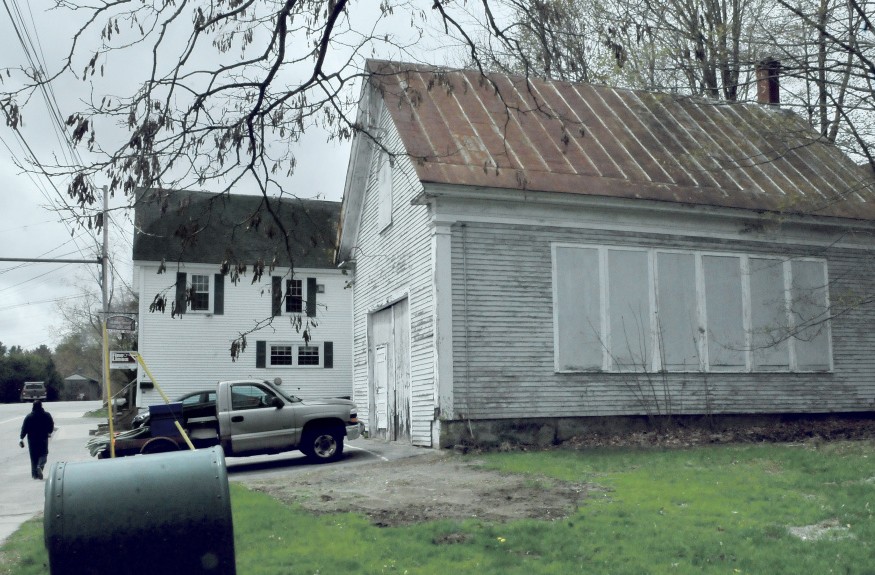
x,y
288,397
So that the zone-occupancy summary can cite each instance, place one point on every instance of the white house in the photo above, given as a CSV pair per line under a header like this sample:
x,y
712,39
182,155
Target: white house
x,y
533,256
214,268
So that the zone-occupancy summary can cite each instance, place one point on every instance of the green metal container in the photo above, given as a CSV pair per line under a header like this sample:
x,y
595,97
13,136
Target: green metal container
x,y
161,514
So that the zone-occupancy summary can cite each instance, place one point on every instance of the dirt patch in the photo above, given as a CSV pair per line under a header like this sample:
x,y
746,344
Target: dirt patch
x,y
831,530
432,486
445,485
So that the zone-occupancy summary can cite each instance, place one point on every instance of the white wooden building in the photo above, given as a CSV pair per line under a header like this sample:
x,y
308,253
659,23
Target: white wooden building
x,y
531,256
197,240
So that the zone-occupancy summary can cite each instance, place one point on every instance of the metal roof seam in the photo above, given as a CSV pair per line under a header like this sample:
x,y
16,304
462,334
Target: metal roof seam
x,y
580,124
605,128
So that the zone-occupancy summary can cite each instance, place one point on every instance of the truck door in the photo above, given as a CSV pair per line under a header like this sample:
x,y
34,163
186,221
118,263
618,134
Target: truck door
x,y
256,424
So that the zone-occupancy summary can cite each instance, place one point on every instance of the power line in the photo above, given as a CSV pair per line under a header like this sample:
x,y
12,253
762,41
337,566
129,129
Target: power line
x,y
33,278
38,65
52,300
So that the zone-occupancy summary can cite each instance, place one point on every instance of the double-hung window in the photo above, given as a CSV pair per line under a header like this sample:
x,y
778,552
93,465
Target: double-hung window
x,y
200,292
281,354
308,355
297,299
294,354
294,296
638,309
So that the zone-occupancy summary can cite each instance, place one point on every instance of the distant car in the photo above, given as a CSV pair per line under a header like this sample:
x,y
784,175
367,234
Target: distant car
x,y
33,390
194,404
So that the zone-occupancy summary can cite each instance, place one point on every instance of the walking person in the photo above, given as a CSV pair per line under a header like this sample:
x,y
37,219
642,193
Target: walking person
x,y
37,427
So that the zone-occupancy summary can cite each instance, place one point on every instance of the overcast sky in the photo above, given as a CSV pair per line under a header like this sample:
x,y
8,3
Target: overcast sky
x,y
30,293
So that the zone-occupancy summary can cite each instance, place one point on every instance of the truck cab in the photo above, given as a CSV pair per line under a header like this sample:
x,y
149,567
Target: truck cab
x,y
256,417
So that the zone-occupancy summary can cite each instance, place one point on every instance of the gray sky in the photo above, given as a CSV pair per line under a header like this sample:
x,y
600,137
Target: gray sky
x,y
30,293
30,227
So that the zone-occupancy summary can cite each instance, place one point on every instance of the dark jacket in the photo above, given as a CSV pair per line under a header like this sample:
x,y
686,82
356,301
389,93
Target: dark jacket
x,y
37,426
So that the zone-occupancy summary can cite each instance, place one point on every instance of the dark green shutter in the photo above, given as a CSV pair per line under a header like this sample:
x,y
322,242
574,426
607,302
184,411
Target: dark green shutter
x,y
181,278
311,297
328,352
260,354
219,294
276,292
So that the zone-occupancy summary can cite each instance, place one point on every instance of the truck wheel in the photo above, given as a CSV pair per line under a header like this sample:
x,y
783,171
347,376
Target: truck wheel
x,y
159,445
323,444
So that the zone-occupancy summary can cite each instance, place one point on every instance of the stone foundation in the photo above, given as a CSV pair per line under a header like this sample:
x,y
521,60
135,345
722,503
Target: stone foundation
x,y
545,432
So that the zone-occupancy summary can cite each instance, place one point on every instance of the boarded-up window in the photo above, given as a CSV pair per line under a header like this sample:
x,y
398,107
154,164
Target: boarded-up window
x,y
725,313
810,312
650,309
677,318
577,309
629,309
768,315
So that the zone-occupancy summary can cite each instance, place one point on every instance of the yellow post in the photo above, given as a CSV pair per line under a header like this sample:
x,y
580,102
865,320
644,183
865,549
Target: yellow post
x,y
164,397
106,383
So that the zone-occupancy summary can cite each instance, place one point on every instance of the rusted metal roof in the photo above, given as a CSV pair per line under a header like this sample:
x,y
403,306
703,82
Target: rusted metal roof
x,y
498,131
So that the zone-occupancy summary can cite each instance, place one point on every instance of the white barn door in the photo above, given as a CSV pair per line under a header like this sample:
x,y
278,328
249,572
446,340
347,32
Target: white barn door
x,y
381,387
389,382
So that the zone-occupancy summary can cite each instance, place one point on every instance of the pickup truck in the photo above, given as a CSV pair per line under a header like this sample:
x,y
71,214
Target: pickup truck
x,y
33,390
251,418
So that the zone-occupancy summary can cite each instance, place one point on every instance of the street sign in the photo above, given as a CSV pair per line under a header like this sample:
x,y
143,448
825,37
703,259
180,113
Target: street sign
x,y
121,323
123,360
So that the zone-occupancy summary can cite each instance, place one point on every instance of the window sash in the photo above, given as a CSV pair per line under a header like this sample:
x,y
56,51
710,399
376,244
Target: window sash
x,y
308,355
200,293
281,355
688,311
294,296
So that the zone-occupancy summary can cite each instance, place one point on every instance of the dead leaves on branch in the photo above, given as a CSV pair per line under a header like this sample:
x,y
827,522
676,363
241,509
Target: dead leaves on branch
x,y
238,346
302,325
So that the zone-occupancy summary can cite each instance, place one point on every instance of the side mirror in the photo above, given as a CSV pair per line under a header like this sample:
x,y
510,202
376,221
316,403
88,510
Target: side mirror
x,y
277,403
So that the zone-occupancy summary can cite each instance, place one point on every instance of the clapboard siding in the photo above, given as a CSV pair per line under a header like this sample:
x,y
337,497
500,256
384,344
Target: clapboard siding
x,y
393,263
192,351
503,335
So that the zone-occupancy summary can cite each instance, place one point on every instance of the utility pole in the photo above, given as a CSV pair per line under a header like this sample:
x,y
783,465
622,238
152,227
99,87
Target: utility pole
x,y
104,275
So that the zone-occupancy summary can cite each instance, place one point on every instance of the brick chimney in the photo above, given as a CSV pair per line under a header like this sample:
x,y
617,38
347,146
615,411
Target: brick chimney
x,y
768,89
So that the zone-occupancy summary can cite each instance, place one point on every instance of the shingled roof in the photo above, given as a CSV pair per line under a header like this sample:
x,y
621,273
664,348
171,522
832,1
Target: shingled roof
x,y
498,131
203,227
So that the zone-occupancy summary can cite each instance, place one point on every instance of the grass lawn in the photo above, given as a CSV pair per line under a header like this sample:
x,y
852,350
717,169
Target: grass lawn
x,y
722,509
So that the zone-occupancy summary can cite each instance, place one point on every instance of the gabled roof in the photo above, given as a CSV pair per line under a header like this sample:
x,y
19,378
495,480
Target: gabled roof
x,y
203,227
498,131
76,378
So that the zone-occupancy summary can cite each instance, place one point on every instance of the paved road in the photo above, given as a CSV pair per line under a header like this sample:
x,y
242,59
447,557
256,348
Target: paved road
x,y
22,497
